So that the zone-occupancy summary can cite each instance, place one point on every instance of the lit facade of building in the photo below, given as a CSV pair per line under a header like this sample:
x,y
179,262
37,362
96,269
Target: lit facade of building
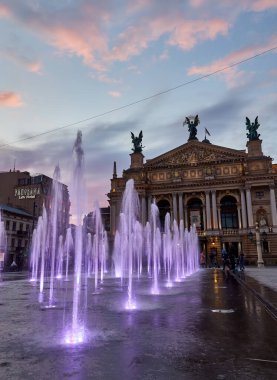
x,y
229,194
22,197
18,227
21,190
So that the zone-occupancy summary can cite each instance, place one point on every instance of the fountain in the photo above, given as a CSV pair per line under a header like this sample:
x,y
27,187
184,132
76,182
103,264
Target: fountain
x,y
3,242
141,253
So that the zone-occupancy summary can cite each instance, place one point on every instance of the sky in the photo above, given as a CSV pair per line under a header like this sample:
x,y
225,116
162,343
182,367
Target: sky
x,y
67,65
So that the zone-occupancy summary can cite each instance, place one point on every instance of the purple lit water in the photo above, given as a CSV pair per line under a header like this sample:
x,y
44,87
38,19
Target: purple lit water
x,y
145,258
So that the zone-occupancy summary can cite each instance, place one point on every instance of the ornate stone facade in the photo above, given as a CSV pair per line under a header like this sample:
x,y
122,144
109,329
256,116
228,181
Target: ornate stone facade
x,y
224,191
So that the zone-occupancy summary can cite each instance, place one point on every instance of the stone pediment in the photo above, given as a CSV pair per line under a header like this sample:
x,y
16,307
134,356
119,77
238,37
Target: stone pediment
x,y
196,153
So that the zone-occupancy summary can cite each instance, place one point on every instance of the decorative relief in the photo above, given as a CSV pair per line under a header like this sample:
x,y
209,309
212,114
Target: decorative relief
x,y
194,156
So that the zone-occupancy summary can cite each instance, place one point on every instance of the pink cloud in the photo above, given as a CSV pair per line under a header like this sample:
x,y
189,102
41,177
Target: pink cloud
x,y
232,75
10,99
4,11
115,94
35,67
28,63
262,5
85,41
182,33
187,34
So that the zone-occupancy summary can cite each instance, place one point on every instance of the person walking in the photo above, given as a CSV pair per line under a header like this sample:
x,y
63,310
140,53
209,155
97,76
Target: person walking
x,y
241,261
202,260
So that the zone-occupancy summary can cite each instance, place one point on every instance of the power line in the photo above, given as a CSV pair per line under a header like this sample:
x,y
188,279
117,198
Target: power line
x,y
140,100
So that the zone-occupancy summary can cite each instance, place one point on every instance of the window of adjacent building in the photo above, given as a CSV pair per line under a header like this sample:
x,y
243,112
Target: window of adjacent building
x,y
259,194
195,213
13,242
27,227
229,212
14,226
164,208
19,243
20,226
7,225
26,243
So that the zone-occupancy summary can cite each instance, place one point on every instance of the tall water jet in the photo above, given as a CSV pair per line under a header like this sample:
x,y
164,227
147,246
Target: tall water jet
x,y
128,231
167,250
99,246
156,246
55,225
44,249
68,249
60,258
77,331
3,242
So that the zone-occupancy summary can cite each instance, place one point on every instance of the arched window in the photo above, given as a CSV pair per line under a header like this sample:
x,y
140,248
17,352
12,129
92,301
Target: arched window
x,y
229,212
164,208
195,213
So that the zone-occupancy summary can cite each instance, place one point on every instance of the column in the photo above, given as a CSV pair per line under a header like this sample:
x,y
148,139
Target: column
x,y
273,206
219,218
239,217
215,221
243,208
175,216
143,210
249,208
181,208
204,219
208,210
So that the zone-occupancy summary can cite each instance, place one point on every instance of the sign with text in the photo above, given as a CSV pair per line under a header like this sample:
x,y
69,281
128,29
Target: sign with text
x,y
26,192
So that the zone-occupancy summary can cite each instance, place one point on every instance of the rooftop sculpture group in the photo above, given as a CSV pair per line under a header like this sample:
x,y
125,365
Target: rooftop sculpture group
x,y
137,142
192,123
252,128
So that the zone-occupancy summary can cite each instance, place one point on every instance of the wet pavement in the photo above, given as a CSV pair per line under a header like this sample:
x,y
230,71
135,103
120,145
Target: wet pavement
x,y
262,282
205,327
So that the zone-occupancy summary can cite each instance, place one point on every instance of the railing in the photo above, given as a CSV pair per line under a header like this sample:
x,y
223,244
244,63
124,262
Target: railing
x,y
230,231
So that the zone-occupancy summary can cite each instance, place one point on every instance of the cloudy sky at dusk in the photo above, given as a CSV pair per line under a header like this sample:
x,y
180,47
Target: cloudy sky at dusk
x,y
64,61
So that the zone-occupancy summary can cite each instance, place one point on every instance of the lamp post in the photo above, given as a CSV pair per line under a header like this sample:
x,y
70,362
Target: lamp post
x,y
260,262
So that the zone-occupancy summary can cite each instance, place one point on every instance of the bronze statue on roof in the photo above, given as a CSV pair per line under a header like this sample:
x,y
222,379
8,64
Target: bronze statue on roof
x,y
192,123
137,142
252,128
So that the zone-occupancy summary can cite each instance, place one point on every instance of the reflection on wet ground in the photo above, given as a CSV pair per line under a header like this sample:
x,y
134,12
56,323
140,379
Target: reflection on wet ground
x,y
187,332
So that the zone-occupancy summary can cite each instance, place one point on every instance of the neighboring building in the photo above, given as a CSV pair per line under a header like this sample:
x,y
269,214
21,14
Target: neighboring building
x,y
21,190
105,216
18,226
22,197
223,191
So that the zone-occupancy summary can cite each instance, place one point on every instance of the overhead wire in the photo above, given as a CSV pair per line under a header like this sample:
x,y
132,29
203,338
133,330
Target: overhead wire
x,y
139,100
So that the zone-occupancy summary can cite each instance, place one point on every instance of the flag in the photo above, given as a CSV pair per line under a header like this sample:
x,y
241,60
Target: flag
x,y
206,131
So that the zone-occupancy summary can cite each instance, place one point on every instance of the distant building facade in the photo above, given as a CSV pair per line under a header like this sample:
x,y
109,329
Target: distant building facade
x,y
22,197
229,194
18,226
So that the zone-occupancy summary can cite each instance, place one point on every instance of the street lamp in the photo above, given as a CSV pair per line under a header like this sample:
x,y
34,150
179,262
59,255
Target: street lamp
x,y
256,239
260,262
